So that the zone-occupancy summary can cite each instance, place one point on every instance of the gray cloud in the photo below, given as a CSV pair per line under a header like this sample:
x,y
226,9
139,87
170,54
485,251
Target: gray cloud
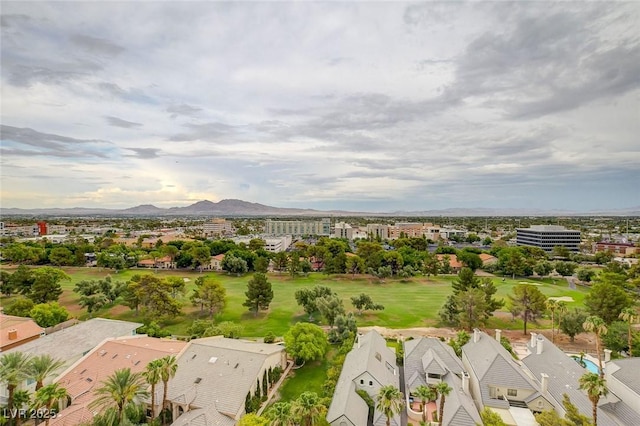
x,y
144,153
118,122
96,45
48,144
183,109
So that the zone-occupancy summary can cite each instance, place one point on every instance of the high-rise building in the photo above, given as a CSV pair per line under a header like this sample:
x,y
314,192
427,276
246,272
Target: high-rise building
x,y
343,230
547,237
298,227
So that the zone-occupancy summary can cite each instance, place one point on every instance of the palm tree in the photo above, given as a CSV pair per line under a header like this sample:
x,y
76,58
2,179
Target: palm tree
x,y
168,368
13,370
21,398
43,366
390,401
119,390
280,414
426,394
47,396
308,409
442,389
630,316
152,376
597,325
595,386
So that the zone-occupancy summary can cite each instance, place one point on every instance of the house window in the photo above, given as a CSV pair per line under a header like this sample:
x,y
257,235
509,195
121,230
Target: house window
x,y
370,383
512,392
361,382
433,376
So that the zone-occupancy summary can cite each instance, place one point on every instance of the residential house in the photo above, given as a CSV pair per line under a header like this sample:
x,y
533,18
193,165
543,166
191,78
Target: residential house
x,y
16,331
215,264
83,378
454,263
214,377
498,382
369,366
165,262
427,362
557,374
623,381
487,259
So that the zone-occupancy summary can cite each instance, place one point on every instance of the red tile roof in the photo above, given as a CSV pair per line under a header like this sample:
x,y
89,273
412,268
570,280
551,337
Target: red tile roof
x,y
17,330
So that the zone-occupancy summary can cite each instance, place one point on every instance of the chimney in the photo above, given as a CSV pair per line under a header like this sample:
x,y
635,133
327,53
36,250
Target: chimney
x,y
13,334
533,340
498,334
544,382
358,339
539,344
465,382
607,355
476,335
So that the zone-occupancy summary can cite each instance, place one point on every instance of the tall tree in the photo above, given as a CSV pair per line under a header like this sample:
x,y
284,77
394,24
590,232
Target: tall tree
x,y
595,386
259,293
168,368
553,306
308,409
596,325
471,306
307,297
442,389
390,401
363,302
330,307
425,394
152,375
305,342
280,414
14,368
43,366
355,265
529,300
630,316
119,390
606,300
47,396
571,323
209,294
46,285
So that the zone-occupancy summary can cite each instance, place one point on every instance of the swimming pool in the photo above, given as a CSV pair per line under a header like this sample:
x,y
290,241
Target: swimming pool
x,y
591,366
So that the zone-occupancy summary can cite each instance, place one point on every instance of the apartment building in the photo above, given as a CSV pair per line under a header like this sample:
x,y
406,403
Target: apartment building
x,y
298,227
218,227
343,230
376,231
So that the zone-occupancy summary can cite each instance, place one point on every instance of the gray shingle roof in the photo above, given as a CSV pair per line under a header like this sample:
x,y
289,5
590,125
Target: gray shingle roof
x,y
218,371
459,409
494,366
204,417
628,373
621,412
369,354
564,374
418,354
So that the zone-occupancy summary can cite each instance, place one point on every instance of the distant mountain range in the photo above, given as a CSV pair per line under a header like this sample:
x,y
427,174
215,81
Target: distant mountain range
x,y
231,208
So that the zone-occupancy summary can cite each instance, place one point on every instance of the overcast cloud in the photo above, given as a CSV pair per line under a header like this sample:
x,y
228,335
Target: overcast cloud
x,y
355,106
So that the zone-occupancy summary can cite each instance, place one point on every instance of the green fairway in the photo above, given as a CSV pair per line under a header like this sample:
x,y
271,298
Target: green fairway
x,y
408,303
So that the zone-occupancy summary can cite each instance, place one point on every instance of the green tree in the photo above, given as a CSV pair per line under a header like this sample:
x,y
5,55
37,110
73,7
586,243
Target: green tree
x,y
630,316
22,279
330,307
308,409
201,256
470,260
596,325
259,293
571,323
49,314
119,390
585,274
355,265
168,368
261,264
153,294
461,339
512,262
43,366
595,386
280,414
607,300
21,400
561,252
543,268
529,300
430,264
14,368
424,394
46,285
554,306
363,302
471,306
305,342
307,298
345,327
564,268
209,294
491,418
390,401
20,307
252,419
47,396
443,390
153,374
294,264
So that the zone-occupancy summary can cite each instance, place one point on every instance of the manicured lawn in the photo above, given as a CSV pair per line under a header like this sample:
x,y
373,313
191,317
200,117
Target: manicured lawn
x,y
308,378
410,303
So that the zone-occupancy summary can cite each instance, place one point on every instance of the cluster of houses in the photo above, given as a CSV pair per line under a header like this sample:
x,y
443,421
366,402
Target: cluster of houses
x,y
212,381
485,376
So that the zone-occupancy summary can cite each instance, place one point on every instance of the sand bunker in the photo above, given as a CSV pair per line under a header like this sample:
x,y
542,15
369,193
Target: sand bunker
x,y
562,298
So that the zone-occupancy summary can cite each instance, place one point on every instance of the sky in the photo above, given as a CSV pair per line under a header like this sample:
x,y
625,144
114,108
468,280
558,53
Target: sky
x,y
362,106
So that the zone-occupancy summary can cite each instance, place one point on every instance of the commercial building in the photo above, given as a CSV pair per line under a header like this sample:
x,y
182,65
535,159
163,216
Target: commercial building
x,y
547,237
298,227
218,228
377,231
343,230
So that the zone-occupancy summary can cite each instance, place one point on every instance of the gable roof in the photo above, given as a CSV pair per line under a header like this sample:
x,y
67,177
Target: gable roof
x,y
564,374
422,349
627,372
370,354
493,366
15,331
219,370
459,409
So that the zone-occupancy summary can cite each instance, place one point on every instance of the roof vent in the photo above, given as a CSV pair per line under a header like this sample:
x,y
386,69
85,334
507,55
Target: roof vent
x,y
83,371
213,360
114,356
198,380
194,356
